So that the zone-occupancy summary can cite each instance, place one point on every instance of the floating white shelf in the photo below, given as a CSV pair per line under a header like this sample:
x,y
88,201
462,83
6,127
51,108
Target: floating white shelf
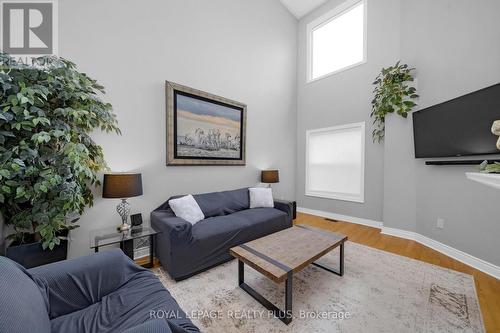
x,y
489,179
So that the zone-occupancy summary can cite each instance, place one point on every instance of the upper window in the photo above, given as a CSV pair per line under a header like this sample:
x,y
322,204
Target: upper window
x,y
336,40
335,162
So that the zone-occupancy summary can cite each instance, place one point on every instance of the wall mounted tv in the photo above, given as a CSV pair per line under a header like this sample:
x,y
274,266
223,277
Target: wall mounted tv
x,y
459,127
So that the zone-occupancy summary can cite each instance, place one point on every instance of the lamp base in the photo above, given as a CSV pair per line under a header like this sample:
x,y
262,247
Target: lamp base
x,y
123,209
124,227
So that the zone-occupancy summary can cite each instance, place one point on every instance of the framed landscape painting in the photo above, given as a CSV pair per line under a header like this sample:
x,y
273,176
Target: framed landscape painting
x,y
203,129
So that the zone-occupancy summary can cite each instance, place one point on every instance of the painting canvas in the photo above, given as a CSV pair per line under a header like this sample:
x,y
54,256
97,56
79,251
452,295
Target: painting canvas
x,y
203,129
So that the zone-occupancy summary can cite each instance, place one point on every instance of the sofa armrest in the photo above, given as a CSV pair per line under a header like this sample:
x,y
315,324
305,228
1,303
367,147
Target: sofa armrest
x,y
175,235
75,284
285,206
172,228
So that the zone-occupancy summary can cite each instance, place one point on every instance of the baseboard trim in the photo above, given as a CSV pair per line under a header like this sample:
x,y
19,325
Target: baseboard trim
x,y
411,235
479,264
340,217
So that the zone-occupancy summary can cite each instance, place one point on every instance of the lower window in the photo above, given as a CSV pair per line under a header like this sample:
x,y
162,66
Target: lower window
x,y
335,160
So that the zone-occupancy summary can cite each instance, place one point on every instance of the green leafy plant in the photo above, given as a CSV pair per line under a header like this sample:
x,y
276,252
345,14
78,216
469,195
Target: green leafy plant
x,y
484,167
392,94
48,161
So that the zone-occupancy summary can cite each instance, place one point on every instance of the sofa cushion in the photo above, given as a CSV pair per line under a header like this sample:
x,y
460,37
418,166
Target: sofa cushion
x,y
187,208
261,197
140,299
223,203
263,221
239,226
219,225
256,216
24,307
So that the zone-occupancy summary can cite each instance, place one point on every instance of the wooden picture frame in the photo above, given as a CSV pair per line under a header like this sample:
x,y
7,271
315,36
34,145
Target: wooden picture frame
x,y
204,129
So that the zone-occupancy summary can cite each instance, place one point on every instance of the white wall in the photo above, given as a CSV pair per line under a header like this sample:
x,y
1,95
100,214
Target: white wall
x,y
345,98
400,188
455,46
239,49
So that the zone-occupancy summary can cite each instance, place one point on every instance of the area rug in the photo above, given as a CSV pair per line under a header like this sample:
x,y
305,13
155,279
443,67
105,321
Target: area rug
x,y
379,292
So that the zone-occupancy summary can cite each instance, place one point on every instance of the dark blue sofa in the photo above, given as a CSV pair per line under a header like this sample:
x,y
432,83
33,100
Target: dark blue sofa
x,y
104,292
185,249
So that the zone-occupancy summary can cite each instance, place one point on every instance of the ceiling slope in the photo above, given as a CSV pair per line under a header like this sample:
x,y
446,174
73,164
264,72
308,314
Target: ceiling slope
x,y
299,8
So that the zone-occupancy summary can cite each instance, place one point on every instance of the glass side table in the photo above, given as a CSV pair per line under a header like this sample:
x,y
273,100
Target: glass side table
x,y
110,236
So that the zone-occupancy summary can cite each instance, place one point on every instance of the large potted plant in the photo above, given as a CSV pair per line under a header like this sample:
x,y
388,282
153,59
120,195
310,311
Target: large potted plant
x,y
48,161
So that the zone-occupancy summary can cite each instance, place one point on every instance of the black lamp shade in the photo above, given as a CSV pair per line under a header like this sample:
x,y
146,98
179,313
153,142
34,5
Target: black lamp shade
x,y
122,185
270,176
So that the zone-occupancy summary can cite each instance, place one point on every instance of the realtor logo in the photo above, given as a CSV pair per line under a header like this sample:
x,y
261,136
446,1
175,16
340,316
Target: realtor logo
x,y
29,28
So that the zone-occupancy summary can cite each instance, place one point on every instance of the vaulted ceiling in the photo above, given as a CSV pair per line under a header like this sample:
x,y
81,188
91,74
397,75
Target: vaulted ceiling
x,y
300,8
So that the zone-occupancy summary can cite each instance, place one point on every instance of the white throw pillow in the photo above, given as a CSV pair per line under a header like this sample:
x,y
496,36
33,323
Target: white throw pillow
x,y
187,208
261,197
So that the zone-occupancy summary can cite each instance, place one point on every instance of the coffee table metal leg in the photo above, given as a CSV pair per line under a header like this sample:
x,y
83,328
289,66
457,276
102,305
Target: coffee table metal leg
x,y
241,272
340,271
284,316
288,298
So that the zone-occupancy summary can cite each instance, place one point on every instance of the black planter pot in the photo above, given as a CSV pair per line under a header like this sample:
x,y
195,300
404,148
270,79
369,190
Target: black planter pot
x,y
32,255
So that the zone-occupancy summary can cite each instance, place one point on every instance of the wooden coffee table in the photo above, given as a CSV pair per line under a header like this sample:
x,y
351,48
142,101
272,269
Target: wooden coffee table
x,y
279,255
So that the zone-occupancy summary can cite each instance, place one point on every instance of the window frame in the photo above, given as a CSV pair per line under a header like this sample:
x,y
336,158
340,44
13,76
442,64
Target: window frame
x,y
338,195
325,19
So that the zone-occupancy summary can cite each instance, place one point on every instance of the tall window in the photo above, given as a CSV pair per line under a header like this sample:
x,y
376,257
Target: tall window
x,y
335,161
336,41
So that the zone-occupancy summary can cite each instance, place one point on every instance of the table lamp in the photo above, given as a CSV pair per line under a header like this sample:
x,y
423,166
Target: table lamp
x,y
269,177
122,186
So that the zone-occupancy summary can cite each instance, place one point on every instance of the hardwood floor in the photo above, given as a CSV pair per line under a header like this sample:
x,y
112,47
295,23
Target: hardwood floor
x,y
487,287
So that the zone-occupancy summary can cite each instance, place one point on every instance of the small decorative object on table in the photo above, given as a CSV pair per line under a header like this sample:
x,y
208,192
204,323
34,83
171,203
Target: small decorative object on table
x,y
485,167
270,177
136,219
495,129
122,186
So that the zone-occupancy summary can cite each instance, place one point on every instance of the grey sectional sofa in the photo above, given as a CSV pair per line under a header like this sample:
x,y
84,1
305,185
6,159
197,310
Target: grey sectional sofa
x,y
103,292
185,249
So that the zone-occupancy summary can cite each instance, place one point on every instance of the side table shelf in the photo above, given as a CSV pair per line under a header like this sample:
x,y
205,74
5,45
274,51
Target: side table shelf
x,y
110,236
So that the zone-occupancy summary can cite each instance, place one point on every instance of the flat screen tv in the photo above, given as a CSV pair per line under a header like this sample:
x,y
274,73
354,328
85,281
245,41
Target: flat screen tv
x,y
459,127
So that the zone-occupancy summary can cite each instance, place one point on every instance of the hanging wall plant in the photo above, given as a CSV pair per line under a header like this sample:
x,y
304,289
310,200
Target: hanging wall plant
x,y
48,160
393,93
